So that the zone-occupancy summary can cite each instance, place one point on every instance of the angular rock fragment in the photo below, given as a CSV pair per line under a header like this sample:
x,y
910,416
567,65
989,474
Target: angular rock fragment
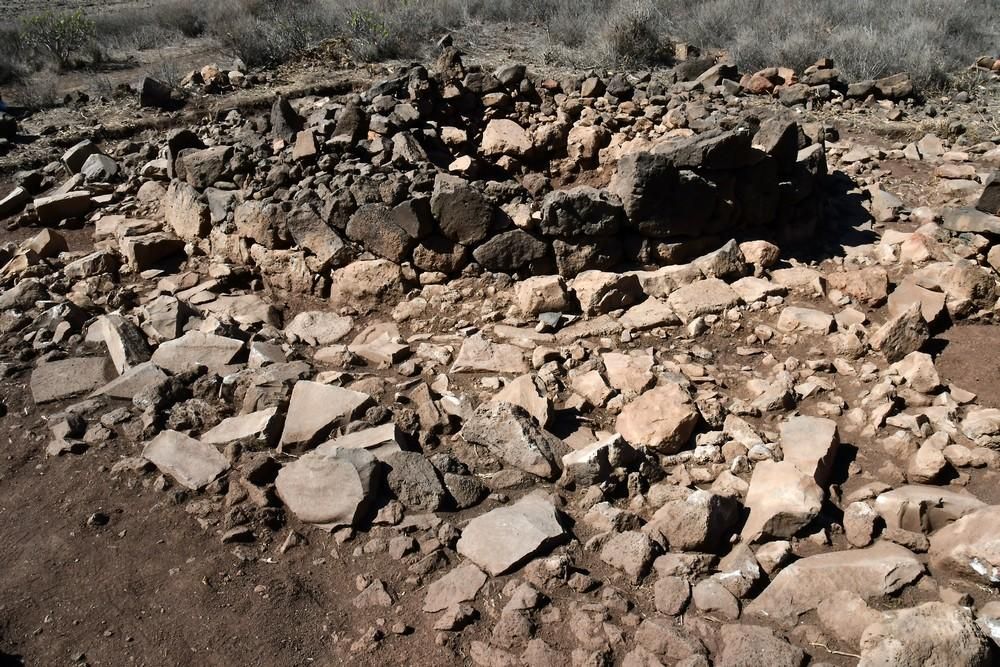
x,y
873,573
934,634
782,500
196,348
315,409
479,354
662,418
330,489
970,547
460,585
56,380
193,464
509,433
262,427
502,539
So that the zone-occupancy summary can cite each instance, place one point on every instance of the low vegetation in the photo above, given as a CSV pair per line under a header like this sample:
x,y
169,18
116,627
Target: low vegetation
x,y
866,38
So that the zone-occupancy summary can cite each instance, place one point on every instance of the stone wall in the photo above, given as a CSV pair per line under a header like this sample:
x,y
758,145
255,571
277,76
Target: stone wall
x,y
456,171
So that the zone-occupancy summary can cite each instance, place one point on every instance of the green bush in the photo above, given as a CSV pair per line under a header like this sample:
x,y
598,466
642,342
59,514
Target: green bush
x,y
60,35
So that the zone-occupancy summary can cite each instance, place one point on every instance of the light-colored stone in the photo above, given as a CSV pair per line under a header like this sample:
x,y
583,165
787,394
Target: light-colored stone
x,y
332,488
662,418
191,463
504,538
873,573
315,409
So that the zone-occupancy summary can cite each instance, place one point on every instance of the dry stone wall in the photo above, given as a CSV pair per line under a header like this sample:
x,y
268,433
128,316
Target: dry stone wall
x,y
453,171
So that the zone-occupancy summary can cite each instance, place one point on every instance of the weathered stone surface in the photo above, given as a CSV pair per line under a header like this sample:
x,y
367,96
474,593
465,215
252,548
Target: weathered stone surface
x,y
504,538
460,585
970,220
331,488
810,444
632,552
56,380
702,297
753,645
262,427
662,418
185,213
581,211
196,348
698,521
922,508
414,481
315,409
601,292
527,391
970,547
515,251
193,464
542,294
509,433
462,212
902,334
315,327
479,354
382,441
53,209
503,136
365,284
649,314
934,634
807,320
873,573
132,381
126,343
782,499
373,227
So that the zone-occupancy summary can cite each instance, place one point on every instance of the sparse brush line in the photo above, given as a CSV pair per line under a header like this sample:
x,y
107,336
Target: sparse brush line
x,y
930,39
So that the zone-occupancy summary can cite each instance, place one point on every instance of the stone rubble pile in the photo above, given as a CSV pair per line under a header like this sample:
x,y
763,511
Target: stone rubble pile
x,y
589,425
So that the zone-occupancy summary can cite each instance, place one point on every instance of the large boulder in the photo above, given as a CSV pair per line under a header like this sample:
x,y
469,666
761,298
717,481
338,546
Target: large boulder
x,y
581,211
330,488
463,214
662,418
506,537
934,634
510,434
970,547
873,573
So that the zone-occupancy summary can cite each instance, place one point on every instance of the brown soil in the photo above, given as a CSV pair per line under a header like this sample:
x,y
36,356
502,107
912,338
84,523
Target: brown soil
x,y
970,361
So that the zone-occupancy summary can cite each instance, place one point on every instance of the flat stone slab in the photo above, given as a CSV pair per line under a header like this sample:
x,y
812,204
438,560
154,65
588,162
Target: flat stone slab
x,y
924,508
316,327
191,463
56,380
263,425
881,570
331,489
381,441
196,348
504,538
702,297
315,408
132,381
460,585
479,354
810,444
